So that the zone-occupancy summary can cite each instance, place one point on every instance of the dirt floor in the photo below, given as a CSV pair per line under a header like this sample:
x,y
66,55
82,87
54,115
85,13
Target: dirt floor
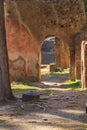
x,y
57,109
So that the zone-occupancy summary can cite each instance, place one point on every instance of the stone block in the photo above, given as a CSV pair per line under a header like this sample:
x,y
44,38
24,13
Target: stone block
x,y
30,96
52,67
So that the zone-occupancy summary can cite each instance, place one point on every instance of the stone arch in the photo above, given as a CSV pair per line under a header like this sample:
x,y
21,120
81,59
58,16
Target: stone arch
x,y
61,55
42,18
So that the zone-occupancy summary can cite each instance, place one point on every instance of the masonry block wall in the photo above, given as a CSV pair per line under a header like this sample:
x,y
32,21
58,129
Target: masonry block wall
x,y
37,19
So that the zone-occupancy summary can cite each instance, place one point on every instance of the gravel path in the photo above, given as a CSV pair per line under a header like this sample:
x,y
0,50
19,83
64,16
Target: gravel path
x,y
58,109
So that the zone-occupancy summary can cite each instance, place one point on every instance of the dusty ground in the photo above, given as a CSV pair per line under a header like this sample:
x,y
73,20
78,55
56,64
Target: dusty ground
x,y
58,109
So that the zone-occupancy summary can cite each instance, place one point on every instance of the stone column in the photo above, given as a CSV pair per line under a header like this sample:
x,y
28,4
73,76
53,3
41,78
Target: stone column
x,y
39,67
72,61
84,64
57,47
64,55
78,61
61,53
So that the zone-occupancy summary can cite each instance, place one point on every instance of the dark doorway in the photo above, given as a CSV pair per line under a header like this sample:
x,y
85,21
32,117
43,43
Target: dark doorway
x,y
47,51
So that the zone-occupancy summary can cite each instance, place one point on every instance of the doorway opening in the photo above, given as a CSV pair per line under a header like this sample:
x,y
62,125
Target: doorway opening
x,y
54,55
47,55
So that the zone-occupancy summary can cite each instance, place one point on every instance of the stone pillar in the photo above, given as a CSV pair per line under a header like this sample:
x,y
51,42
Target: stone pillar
x,y
84,64
57,47
64,55
39,67
61,53
72,61
78,61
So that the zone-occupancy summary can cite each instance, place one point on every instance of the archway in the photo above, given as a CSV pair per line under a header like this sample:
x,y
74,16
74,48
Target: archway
x,y
47,54
48,17
54,55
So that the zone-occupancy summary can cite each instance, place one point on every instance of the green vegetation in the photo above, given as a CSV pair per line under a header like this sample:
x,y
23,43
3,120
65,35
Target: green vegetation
x,y
72,85
20,88
63,71
85,127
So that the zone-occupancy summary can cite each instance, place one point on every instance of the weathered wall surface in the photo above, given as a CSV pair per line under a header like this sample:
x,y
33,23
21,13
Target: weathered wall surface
x,y
61,53
77,41
23,51
65,56
42,18
52,18
84,64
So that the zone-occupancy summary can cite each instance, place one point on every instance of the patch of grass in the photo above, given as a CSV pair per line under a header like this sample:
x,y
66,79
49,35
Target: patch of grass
x,y
72,85
63,71
54,73
20,88
85,127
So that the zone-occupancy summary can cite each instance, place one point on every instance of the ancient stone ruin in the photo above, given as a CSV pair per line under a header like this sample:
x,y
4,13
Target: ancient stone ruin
x,y
23,51
61,53
84,64
28,23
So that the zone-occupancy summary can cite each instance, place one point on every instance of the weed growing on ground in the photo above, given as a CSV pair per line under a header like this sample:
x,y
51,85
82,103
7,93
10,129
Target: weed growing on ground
x,y
20,88
73,85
